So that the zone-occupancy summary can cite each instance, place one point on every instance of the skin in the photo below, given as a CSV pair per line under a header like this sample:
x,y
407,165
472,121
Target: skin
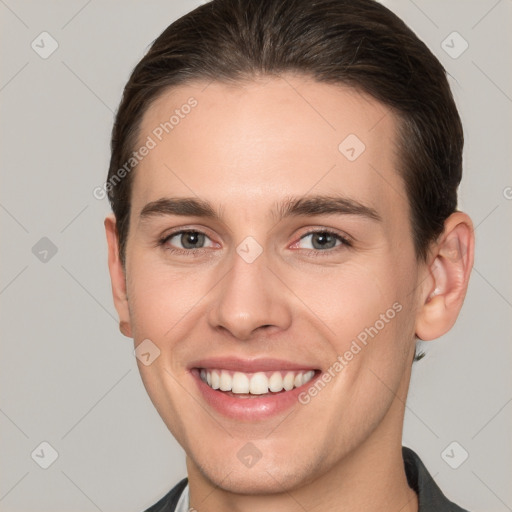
x,y
244,148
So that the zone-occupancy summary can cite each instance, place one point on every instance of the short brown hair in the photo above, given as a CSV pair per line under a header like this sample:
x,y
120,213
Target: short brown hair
x,y
357,43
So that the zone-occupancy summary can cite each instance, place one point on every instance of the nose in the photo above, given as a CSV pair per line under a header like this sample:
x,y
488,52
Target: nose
x,y
249,300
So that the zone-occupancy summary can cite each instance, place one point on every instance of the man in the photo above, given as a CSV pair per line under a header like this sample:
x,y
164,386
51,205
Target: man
x,y
284,186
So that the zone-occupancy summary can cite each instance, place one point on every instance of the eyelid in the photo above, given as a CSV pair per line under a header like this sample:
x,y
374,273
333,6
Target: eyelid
x,y
184,229
331,231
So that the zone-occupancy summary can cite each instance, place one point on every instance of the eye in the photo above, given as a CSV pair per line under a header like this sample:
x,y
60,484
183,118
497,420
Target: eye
x,y
187,240
321,240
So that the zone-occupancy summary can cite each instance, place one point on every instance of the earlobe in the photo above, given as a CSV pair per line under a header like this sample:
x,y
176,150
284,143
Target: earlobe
x,y
125,329
117,276
449,276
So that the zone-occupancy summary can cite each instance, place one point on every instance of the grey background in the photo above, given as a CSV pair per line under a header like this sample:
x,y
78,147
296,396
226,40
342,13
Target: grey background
x,y
68,377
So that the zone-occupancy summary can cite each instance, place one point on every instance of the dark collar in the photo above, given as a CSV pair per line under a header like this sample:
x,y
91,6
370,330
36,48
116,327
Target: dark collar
x,y
430,497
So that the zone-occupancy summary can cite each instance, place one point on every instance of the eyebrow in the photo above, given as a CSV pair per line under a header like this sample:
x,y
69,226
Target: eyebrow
x,y
291,206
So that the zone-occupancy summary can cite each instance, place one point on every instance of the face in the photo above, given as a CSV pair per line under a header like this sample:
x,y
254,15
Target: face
x,y
270,256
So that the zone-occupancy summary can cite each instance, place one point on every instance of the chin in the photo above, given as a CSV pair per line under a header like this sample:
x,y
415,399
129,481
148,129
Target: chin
x,y
264,477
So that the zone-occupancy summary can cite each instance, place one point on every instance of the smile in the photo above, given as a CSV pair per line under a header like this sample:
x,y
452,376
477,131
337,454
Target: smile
x,y
259,383
250,390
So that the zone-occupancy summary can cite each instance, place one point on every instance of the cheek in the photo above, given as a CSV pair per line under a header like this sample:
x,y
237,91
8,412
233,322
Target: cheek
x,y
379,343
349,299
161,298
368,311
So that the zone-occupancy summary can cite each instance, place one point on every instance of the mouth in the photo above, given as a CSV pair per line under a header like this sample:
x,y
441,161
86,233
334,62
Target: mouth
x,y
245,385
251,390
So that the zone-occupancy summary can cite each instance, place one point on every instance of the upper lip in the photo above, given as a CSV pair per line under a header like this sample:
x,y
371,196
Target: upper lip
x,y
249,365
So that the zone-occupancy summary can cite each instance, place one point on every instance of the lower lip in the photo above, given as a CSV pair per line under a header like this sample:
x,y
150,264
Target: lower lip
x,y
257,407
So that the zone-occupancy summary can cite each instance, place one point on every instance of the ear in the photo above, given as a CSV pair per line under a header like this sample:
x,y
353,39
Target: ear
x,y
117,276
447,282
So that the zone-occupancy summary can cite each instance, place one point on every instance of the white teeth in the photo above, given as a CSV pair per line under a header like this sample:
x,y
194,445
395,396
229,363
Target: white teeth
x,y
215,384
225,381
240,383
275,383
258,384
255,384
288,381
307,376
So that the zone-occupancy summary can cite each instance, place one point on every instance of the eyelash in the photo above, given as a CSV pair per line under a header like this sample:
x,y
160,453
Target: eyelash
x,y
345,243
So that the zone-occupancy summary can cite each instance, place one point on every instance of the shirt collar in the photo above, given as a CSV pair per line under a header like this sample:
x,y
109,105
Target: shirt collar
x,y
430,497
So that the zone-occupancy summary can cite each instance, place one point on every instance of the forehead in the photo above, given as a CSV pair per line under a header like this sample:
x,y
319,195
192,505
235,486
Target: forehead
x,y
248,144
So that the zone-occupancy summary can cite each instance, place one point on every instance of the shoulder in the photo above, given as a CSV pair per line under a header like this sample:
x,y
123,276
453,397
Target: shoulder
x,y
169,501
430,496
